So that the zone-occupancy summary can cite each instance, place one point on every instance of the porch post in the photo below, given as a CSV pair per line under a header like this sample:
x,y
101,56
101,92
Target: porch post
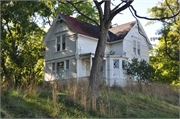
x,y
106,70
90,61
77,70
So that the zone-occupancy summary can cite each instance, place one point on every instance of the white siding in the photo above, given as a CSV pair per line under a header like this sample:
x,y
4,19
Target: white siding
x,y
128,45
117,48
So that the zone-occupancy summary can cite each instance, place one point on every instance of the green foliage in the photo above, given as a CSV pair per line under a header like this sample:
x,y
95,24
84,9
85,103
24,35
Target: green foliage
x,y
21,40
165,56
139,70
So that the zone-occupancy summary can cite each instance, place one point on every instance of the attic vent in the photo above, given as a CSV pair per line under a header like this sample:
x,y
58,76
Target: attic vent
x,y
59,19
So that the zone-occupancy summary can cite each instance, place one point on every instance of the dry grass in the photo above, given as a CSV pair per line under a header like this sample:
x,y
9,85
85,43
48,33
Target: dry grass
x,y
162,89
140,101
106,105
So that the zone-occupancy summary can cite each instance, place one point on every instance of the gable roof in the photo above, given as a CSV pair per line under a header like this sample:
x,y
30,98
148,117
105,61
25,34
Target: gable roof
x,y
115,33
122,30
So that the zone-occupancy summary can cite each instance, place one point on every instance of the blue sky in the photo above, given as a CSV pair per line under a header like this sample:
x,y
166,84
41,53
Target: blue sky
x,y
141,7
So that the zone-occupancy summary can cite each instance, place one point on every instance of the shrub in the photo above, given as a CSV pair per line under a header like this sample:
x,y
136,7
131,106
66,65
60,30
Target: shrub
x,y
140,70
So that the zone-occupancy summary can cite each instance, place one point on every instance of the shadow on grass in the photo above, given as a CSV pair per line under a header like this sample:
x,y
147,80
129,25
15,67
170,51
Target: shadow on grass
x,y
42,106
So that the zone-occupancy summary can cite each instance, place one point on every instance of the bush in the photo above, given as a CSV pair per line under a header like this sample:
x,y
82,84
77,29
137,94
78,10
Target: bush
x,y
140,70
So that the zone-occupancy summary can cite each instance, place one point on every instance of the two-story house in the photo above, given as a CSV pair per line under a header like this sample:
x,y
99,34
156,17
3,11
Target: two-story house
x,y
71,44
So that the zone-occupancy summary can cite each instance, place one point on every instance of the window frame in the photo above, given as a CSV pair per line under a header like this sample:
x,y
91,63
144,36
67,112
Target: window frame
x,y
136,48
139,54
134,53
60,68
61,43
58,43
124,62
118,63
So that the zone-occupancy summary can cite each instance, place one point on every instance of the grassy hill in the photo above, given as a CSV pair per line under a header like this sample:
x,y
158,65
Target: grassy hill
x,y
69,101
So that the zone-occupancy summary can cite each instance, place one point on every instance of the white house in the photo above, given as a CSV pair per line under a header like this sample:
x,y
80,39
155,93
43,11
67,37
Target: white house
x,y
71,44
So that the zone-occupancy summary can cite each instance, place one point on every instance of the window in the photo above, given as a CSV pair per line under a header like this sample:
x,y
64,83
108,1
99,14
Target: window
x,y
138,48
53,67
58,43
134,47
61,43
124,64
60,69
67,64
116,64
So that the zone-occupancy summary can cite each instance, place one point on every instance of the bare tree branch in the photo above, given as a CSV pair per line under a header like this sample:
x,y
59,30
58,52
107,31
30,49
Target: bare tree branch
x,y
98,5
99,2
160,19
119,10
82,13
116,6
68,3
49,22
139,27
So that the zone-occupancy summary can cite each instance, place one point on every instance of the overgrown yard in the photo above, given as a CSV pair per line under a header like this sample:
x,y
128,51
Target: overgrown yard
x,y
152,101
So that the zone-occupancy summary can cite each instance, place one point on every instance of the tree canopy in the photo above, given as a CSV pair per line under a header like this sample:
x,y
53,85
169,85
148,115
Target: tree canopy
x,y
21,40
165,56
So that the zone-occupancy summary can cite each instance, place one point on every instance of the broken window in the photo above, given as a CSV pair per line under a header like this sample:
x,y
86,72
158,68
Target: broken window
x,y
116,64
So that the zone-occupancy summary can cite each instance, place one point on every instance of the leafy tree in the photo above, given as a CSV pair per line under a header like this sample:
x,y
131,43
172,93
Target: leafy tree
x,y
106,14
140,70
21,39
165,56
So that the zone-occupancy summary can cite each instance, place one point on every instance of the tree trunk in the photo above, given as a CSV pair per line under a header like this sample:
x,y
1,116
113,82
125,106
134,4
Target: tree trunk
x,y
97,63
99,54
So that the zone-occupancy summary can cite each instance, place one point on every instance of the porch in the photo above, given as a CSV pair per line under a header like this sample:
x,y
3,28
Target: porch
x,y
84,65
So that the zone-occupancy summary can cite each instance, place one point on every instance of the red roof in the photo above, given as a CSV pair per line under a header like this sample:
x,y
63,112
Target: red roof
x,y
81,27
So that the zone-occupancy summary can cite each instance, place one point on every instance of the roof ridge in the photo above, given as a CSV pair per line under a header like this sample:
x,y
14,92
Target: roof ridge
x,y
77,19
125,23
81,27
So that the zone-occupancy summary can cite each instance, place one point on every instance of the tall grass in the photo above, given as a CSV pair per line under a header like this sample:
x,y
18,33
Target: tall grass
x,y
64,98
106,105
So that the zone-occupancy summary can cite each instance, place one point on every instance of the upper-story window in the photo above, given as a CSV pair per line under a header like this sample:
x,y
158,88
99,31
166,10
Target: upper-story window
x,y
136,48
61,43
58,43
